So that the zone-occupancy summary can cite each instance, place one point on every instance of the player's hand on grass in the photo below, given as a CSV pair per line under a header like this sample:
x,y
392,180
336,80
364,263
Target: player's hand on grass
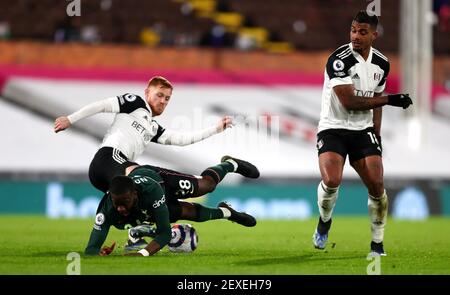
x,y
61,123
224,123
107,250
399,100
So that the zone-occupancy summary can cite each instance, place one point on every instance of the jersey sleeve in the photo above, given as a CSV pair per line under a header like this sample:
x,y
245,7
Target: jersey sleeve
x,y
171,137
382,85
338,71
98,234
108,105
158,207
130,102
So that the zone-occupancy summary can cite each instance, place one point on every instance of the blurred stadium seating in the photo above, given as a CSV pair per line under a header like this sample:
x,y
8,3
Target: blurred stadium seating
x,y
306,24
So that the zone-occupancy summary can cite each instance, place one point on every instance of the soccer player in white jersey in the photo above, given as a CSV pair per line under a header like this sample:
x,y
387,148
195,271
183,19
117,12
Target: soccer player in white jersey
x,y
350,123
134,128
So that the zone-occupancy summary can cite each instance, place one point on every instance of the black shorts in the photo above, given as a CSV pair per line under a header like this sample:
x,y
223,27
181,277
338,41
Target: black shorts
x,y
177,185
107,163
355,144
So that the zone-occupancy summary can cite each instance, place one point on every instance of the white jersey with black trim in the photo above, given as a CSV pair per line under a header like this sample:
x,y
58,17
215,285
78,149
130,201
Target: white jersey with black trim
x,y
133,127
346,66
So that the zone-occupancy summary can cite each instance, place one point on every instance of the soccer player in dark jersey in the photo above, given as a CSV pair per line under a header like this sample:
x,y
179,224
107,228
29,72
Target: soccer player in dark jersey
x,y
350,124
151,194
133,129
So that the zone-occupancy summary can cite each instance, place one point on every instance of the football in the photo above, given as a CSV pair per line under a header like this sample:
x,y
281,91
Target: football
x,y
184,238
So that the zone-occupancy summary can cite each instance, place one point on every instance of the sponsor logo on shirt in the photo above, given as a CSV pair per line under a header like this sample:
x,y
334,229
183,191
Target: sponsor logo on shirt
x,y
158,203
141,129
363,93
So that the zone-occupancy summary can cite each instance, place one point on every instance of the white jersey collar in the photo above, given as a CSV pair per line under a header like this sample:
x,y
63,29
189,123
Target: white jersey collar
x,y
359,57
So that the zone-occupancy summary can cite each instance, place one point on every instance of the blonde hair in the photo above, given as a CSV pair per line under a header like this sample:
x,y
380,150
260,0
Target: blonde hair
x,y
159,80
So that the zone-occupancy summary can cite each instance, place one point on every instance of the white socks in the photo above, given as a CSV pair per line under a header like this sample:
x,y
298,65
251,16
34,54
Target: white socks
x,y
378,209
326,199
233,162
226,212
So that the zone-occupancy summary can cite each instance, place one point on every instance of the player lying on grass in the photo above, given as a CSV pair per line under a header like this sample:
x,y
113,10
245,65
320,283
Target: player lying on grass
x,y
151,194
133,129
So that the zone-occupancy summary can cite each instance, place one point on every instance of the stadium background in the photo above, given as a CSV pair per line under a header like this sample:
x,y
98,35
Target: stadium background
x,y
260,61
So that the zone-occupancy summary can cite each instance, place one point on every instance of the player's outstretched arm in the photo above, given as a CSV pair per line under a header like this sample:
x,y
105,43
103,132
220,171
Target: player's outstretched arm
x,y
109,105
98,237
160,211
352,102
170,137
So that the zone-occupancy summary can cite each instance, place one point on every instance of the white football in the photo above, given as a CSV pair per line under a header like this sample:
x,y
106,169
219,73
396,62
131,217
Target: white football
x,y
184,238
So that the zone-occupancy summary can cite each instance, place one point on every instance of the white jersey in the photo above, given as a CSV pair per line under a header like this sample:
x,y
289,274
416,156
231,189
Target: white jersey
x,y
346,66
133,127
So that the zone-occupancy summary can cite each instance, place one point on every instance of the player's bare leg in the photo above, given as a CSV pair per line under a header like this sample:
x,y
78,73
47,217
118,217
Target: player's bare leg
x,y
370,169
331,166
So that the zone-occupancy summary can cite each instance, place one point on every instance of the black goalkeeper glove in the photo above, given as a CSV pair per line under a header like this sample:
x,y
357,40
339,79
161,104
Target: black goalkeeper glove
x,y
399,100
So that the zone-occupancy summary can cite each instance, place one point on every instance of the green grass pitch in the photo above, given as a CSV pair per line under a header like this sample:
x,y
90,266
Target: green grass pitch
x,y
37,245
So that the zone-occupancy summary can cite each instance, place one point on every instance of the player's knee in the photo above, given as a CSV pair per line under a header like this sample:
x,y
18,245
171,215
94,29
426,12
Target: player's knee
x,y
331,181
